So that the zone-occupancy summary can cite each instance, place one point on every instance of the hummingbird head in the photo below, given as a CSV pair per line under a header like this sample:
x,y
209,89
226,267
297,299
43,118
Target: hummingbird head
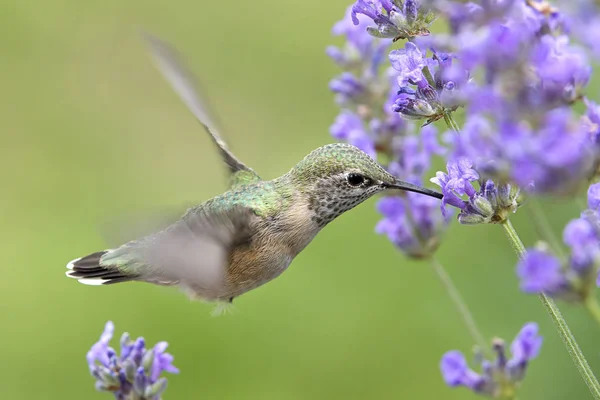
x,y
337,177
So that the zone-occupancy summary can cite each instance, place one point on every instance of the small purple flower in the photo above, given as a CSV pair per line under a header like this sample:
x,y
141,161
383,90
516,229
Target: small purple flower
x,y
489,204
422,97
496,375
573,279
360,49
393,19
456,372
524,348
347,87
591,121
162,362
540,272
100,350
349,127
412,223
137,370
527,344
593,195
409,62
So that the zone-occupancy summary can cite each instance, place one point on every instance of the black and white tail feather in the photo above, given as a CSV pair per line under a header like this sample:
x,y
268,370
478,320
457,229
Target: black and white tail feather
x,y
87,270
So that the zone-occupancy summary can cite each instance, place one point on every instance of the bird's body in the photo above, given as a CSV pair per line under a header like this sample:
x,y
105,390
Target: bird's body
x,y
250,234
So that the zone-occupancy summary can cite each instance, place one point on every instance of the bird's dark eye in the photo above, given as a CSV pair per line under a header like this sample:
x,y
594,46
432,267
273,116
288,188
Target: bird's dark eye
x,y
355,179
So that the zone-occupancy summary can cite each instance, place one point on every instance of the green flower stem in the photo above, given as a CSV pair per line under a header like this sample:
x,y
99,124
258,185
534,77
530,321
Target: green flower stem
x,y
451,122
559,322
591,303
460,304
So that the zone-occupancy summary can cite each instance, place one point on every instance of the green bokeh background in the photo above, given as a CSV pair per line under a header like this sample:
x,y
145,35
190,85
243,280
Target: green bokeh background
x,y
90,131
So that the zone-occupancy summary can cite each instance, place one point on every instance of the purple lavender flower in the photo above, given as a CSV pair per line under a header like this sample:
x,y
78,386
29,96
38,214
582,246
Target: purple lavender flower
x,y
489,204
410,62
367,121
412,222
349,127
422,96
395,19
347,87
528,75
593,195
591,122
133,374
497,376
456,372
573,279
540,272
361,88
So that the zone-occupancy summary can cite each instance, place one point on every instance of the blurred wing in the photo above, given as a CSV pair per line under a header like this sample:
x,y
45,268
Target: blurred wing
x,y
193,252
183,82
131,225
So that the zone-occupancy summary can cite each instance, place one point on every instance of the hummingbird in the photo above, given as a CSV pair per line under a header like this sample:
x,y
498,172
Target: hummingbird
x,y
249,235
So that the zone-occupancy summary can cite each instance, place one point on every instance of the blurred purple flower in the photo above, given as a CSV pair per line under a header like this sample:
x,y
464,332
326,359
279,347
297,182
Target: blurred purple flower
x,y
519,123
349,127
412,222
456,372
573,280
498,374
540,272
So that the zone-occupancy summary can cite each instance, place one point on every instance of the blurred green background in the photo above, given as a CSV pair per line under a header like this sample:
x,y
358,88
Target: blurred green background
x,y
90,131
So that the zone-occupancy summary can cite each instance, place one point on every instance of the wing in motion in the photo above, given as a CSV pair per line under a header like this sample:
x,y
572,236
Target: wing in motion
x,y
193,252
183,82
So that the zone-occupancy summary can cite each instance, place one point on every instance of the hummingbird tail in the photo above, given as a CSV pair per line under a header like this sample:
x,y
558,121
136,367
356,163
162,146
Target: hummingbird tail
x,y
89,271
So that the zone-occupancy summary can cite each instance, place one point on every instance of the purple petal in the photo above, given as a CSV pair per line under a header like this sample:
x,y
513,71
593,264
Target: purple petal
x,y
527,344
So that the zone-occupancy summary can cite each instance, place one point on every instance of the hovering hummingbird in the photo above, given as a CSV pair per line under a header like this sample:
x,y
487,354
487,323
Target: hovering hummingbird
x,y
250,234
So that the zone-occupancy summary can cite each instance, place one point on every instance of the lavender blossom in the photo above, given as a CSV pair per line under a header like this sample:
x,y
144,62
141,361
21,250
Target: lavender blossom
x,y
573,280
490,203
395,19
135,374
413,223
501,377
520,126
425,96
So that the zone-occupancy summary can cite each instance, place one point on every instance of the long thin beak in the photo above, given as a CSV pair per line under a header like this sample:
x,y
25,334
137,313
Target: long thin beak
x,y
409,187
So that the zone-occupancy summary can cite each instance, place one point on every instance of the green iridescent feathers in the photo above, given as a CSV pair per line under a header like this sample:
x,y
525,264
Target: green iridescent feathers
x,y
334,159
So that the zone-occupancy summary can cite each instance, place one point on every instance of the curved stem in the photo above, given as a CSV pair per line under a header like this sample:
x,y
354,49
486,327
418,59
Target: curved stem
x,y
460,304
591,304
559,322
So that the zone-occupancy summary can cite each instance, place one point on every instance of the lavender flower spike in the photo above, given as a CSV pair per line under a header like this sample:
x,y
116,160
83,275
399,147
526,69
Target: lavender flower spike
x,y
574,279
490,203
395,19
135,374
499,378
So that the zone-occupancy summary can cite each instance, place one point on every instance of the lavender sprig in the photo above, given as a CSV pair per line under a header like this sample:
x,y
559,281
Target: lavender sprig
x,y
499,378
513,67
135,373
574,279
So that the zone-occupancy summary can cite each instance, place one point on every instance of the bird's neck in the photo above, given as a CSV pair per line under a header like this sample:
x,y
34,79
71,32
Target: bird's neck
x,y
296,223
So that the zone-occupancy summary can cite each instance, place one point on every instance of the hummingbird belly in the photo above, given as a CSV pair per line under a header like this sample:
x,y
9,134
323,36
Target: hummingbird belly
x,y
254,266
248,268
